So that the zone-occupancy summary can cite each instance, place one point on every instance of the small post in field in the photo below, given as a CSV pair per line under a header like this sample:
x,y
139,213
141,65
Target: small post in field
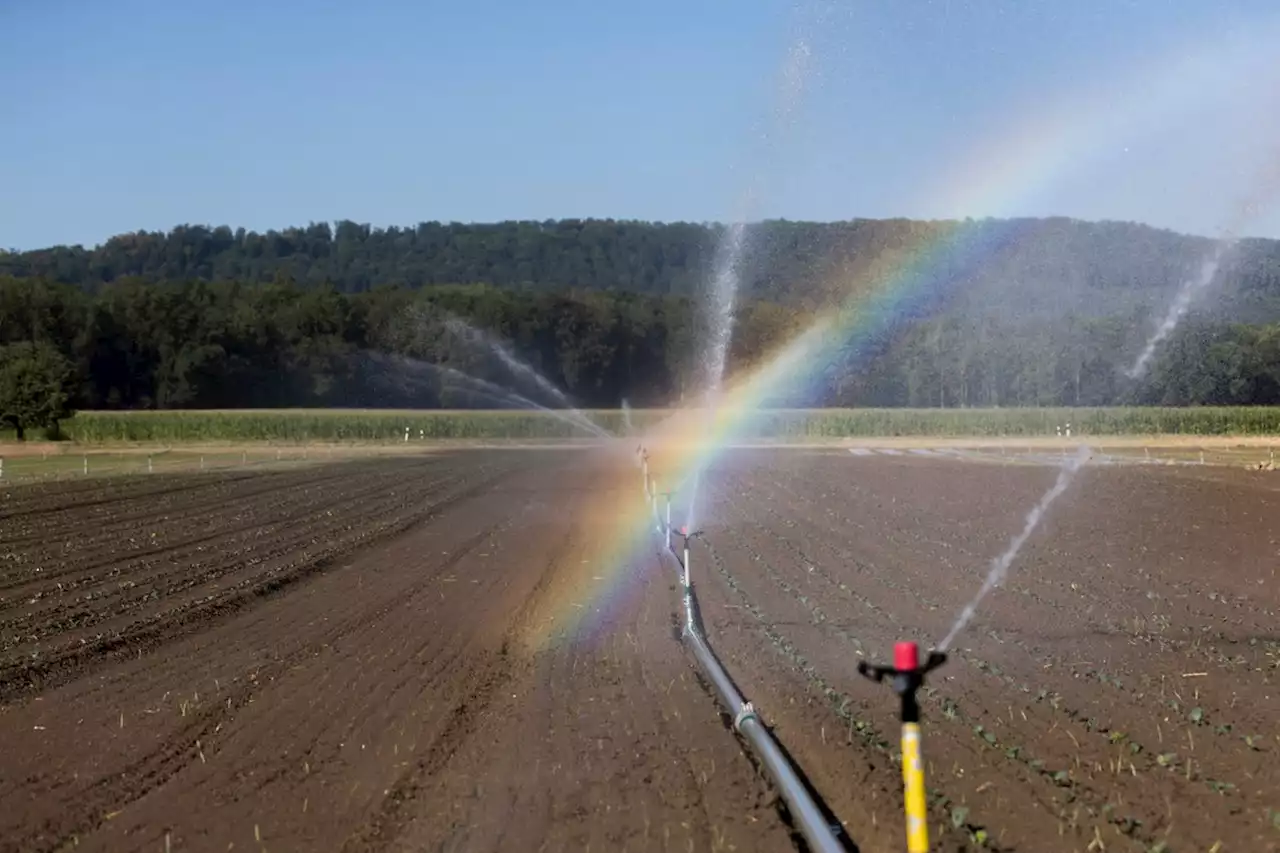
x,y
684,568
150,468
86,465
1,467
668,521
244,457
201,463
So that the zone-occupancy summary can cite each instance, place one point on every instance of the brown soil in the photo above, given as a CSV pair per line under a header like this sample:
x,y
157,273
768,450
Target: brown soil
x,y
343,658
457,652
1120,686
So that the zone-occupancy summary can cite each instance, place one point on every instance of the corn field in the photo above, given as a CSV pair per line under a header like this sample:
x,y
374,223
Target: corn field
x,y
336,425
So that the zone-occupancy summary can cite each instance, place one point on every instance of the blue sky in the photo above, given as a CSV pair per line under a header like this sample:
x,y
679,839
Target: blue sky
x,y
140,114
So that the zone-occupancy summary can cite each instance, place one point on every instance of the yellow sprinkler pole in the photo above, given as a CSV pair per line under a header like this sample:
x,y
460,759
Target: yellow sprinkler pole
x,y
913,789
908,676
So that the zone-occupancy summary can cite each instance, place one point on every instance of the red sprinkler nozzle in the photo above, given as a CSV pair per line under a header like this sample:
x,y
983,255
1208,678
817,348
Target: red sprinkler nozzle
x,y
906,657
906,675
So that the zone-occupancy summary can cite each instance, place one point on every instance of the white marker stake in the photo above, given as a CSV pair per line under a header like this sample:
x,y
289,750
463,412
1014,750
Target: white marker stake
x,y
668,511
86,466
1,467
150,469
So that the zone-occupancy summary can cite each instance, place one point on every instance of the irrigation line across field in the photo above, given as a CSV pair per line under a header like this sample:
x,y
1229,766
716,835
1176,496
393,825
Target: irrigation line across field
x,y
818,832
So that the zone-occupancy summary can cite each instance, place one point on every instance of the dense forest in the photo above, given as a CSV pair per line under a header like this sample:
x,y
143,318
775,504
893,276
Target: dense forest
x,y
1008,313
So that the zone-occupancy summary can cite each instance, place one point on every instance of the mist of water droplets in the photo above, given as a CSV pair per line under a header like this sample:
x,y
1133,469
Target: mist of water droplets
x,y
1000,565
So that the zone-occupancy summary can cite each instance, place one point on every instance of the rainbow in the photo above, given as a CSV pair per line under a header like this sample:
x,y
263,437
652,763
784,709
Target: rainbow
x,y
1027,157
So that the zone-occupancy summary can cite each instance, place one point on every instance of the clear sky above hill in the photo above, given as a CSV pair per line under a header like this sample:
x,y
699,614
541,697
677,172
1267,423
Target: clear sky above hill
x,y
143,114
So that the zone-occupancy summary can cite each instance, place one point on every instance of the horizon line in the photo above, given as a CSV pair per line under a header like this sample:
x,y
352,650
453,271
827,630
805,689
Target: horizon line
x,y
659,223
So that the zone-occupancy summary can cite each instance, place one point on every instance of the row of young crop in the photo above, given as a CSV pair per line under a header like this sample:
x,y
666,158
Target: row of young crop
x,y
791,424
1101,753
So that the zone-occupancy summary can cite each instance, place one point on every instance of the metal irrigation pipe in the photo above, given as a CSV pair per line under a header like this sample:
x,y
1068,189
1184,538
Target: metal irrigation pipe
x,y
810,820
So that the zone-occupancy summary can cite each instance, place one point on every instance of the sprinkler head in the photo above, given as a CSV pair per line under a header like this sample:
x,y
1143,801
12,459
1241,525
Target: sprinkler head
x,y
906,661
906,675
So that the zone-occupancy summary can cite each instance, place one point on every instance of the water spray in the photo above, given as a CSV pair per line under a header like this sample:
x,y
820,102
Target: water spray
x,y
1263,190
906,678
726,273
471,334
486,389
1000,565
626,416
693,495
1186,293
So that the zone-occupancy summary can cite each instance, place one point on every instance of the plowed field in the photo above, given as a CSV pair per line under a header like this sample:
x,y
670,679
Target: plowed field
x,y
384,655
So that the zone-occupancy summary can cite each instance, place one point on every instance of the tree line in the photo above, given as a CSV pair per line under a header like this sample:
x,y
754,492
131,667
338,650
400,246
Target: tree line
x,y
137,345
1009,313
1055,262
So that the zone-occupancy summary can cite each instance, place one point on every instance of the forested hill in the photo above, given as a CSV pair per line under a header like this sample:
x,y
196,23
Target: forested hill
x,y
1050,264
1005,313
